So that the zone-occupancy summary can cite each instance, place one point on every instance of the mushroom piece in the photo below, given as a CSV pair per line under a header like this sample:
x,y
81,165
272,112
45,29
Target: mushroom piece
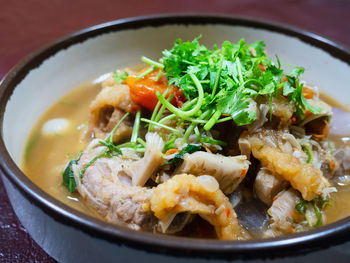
x,y
244,144
281,213
229,171
141,170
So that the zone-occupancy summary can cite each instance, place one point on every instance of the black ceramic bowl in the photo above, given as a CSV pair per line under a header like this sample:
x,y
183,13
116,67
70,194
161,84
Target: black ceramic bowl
x,y
44,76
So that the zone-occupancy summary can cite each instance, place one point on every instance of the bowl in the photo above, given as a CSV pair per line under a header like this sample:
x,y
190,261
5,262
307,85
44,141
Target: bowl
x,y
40,79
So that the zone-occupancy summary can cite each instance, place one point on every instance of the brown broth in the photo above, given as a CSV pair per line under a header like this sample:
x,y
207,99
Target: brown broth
x,y
45,157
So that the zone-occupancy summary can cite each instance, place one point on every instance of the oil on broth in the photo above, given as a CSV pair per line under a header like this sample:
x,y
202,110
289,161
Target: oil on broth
x,y
45,157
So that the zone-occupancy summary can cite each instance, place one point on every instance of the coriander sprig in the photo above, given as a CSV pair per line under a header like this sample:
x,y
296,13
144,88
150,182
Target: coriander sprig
x,y
231,77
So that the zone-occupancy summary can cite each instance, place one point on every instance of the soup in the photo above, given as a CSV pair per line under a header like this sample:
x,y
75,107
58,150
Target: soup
x,y
59,148
258,187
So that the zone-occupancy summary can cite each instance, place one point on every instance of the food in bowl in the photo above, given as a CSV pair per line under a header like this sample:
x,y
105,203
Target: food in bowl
x,y
220,143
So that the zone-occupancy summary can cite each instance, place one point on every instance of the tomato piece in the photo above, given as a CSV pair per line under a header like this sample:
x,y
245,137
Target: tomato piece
x,y
293,119
308,93
243,172
332,164
261,67
143,91
308,113
172,151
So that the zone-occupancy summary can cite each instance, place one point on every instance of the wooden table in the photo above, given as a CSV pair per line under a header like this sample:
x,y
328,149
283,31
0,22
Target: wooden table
x,y
30,24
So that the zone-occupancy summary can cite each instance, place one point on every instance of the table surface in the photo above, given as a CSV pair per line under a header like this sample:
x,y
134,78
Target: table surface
x,y
28,25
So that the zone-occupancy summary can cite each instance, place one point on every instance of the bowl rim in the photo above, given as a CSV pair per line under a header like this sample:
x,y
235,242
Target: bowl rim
x,y
324,236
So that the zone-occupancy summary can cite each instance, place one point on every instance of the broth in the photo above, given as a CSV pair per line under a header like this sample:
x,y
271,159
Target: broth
x,y
45,157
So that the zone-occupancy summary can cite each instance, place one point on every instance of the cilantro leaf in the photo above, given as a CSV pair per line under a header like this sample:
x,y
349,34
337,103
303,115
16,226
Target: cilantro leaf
x,y
120,77
297,72
259,48
287,88
68,174
237,106
300,102
232,78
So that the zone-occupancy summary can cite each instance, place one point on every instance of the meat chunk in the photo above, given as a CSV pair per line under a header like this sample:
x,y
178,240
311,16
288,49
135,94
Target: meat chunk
x,y
108,108
341,176
117,202
282,211
196,195
109,120
267,185
303,177
113,185
228,171
261,119
282,109
244,145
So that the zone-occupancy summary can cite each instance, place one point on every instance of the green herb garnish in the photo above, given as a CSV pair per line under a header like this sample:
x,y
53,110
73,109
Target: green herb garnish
x,y
103,154
170,143
136,128
108,141
227,80
301,206
68,174
112,150
296,96
190,148
120,77
318,205
307,149
33,140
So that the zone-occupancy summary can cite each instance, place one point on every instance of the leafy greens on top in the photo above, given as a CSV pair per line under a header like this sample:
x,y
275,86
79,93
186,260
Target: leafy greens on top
x,y
220,85
230,77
